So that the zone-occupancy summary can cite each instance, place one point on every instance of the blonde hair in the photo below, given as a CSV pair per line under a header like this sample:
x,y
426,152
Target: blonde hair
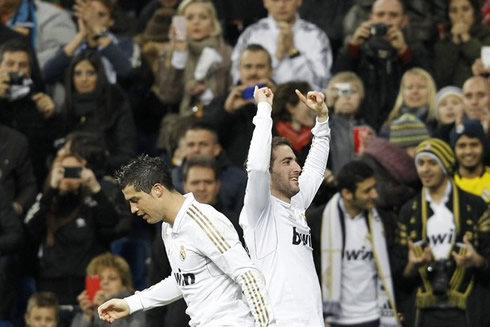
x,y
109,260
431,85
343,77
216,28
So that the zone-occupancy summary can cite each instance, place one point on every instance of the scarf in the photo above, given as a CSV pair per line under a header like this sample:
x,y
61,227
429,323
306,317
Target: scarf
x,y
298,139
421,113
195,49
24,20
332,247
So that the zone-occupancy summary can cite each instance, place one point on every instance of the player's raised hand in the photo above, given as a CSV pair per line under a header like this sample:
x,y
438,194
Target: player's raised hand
x,y
263,94
316,102
113,309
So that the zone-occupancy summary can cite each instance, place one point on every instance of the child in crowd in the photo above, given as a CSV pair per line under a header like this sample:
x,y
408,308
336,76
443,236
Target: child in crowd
x,y
449,105
42,310
114,275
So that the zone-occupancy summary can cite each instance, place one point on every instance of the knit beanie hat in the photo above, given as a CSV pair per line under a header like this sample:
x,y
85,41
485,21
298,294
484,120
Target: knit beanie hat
x,y
444,92
471,128
439,150
158,26
407,131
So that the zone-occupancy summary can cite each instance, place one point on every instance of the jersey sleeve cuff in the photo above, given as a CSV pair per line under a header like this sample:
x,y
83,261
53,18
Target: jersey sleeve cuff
x,y
321,128
134,303
264,109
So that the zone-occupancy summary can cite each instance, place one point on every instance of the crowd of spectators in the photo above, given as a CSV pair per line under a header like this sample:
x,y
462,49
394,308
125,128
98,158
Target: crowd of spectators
x,y
86,85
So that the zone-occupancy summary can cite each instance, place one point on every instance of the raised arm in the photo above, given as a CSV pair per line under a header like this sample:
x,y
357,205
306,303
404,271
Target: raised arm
x,y
257,192
314,169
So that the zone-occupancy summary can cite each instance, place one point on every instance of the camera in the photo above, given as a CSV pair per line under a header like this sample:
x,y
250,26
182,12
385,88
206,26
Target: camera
x,y
16,78
343,89
72,172
378,29
439,273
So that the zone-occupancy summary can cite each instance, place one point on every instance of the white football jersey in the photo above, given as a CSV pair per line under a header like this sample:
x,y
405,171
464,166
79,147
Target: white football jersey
x,y
277,234
211,270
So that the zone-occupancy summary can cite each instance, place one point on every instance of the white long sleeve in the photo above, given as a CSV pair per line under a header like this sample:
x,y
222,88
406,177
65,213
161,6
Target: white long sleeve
x,y
160,294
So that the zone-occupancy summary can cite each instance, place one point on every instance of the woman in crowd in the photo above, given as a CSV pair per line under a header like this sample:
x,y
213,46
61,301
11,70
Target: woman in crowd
x,y
67,222
292,118
94,105
416,96
114,278
461,43
178,81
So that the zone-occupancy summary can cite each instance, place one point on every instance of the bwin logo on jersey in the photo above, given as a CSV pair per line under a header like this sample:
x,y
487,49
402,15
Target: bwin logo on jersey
x,y
361,254
184,279
299,238
447,238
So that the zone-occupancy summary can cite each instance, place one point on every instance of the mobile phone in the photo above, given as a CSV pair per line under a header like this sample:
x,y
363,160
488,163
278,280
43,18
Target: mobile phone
x,y
248,93
485,56
92,285
180,25
72,172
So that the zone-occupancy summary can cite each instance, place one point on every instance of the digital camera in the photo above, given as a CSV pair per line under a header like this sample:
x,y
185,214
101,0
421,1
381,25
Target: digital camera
x,y
378,29
439,273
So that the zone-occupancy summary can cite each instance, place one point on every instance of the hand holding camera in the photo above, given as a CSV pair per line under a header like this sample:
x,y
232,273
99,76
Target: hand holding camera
x,y
362,33
414,260
471,259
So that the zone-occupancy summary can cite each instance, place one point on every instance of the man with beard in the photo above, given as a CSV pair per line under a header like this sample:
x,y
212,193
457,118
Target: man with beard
x,y
468,141
273,216
356,283
442,247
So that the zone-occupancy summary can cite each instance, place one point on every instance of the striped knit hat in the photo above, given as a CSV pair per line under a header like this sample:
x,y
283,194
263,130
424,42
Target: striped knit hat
x,y
439,150
407,131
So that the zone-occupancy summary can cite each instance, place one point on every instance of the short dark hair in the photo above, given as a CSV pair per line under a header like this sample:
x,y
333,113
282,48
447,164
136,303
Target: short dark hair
x,y
15,45
143,172
284,95
253,47
353,173
89,146
42,300
200,161
276,142
200,125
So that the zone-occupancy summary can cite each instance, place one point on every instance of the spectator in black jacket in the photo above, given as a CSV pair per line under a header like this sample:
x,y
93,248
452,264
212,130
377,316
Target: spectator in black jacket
x,y
66,222
24,106
94,105
11,235
16,170
380,52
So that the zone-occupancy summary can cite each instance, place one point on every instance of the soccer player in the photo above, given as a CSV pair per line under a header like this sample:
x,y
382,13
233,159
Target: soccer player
x,y
273,217
210,268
